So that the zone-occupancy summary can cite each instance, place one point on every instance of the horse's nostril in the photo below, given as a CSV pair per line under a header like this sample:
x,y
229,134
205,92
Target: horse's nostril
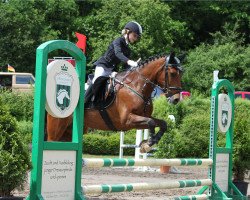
x,y
173,100
176,101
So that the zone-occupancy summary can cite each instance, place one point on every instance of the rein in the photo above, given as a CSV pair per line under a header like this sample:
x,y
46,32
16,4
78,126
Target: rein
x,y
145,100
166,89
130,88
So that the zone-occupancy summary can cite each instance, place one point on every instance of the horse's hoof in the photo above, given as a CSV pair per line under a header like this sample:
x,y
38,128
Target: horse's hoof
x,y
144,147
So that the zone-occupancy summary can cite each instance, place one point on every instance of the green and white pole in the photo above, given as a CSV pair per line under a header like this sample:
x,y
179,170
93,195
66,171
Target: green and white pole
x,y
57,166
98,189
123,162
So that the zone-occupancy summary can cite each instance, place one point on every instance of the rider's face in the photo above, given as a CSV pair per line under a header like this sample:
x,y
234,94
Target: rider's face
x,y
133,37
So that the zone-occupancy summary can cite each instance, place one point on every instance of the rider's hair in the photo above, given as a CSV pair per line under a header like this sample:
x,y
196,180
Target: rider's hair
x,y
125,31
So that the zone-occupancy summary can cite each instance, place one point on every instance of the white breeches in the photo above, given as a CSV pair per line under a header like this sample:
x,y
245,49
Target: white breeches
x,y
101,71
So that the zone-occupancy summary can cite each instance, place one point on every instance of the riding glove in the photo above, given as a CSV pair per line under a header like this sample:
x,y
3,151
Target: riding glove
x,y
132,63
113,74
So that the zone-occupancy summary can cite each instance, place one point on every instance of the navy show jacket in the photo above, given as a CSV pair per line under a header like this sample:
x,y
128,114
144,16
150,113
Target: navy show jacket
x,y
118,51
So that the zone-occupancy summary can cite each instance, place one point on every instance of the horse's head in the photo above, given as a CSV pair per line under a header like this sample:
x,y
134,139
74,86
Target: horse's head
x,y
158,71
170,78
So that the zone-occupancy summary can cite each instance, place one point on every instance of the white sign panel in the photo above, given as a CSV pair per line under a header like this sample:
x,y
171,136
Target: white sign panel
x,y
58,175
222,169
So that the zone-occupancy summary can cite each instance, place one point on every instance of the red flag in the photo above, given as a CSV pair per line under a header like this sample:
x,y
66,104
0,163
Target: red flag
x,y
81,41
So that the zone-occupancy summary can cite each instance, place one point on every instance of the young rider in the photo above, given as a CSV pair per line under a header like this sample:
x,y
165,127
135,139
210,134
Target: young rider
x,y
117,52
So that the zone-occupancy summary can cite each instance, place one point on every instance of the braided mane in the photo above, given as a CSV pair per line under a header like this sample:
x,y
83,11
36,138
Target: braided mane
x,y
150,59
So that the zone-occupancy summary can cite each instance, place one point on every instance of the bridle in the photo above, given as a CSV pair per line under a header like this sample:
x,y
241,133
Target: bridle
x,y
166,88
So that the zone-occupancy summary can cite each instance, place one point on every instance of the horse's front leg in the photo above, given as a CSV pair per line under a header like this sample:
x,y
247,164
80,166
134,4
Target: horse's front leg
x,y
146,145
140,122
163,127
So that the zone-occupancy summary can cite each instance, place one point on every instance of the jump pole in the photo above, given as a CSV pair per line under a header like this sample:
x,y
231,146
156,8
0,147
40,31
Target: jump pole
x,y
98,189
109,162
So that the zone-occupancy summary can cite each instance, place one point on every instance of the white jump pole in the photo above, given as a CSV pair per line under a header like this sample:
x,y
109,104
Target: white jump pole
x,y
121,144
145,137
137,142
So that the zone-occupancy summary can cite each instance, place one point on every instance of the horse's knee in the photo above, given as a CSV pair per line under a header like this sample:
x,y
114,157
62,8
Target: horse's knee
x,y
151,123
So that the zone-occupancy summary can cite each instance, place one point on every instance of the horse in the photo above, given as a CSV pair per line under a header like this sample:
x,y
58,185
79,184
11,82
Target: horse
x,y
132,107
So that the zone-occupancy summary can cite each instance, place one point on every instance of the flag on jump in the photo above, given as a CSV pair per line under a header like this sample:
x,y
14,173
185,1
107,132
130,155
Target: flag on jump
x,y
10,68
81,41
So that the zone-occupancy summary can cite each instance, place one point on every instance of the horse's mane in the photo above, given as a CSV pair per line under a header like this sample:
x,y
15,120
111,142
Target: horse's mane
x,y
141,64
150,59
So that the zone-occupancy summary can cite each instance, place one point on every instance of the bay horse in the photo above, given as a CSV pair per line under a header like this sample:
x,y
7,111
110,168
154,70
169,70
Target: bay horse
x,y
132,107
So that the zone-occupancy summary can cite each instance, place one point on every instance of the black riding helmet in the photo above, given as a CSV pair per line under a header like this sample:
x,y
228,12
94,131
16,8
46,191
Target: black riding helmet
x,y
135,27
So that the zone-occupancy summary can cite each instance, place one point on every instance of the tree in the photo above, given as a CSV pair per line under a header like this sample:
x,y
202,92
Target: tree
x,y
27,24
205,17
19,26
227,55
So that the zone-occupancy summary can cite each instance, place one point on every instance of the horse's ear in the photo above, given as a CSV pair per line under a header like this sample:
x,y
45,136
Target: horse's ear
x,y
172,54
171,57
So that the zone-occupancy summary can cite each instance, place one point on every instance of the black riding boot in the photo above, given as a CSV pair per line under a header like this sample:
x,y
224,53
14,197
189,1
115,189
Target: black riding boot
x,y
88,94
99,90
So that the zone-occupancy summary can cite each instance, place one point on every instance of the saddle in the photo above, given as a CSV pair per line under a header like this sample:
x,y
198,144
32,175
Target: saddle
x,y
101,94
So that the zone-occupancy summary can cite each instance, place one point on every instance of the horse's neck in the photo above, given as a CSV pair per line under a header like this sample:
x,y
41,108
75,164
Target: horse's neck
x,y
151,70
146,77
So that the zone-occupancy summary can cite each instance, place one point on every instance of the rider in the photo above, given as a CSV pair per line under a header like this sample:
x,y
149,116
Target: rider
x,y
117,52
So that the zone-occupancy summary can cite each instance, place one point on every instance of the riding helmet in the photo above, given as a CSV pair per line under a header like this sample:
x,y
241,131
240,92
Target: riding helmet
x,y
135,27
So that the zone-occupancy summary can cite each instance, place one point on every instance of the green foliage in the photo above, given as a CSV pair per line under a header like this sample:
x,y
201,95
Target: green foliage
x,y
25,131
101,143
14,155
162,108
191,129
231,59
241,139
195,103
166,148
192,139
205,17
27,24
19,104
19,35
95,144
